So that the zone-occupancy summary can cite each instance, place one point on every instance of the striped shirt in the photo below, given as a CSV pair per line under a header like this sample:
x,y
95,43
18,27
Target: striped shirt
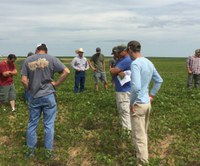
x,y
193,63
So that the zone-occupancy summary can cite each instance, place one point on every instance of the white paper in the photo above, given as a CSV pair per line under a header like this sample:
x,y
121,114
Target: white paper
x,y
127,77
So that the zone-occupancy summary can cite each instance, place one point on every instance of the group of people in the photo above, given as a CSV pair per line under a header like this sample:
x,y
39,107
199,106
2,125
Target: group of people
x,y
131,74
132,95
80,64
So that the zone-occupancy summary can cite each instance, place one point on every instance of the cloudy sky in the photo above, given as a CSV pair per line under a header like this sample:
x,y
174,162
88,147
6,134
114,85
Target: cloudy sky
x,y
164,27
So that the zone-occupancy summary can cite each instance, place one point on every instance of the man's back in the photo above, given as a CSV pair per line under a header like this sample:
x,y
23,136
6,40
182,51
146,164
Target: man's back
x,y
143,71
40,69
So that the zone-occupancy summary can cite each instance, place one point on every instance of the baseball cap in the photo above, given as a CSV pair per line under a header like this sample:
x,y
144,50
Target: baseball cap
x,y
98,49
119,49
41,46
113,50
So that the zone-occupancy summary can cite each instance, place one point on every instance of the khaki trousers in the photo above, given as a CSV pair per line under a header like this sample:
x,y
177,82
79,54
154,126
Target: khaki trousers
x,y
123,107
139,124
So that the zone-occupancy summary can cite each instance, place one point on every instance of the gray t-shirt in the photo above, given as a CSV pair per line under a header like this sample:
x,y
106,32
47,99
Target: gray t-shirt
x,y
98,60
40,69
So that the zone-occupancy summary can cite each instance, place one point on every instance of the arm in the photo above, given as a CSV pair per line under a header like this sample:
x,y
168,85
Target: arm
x,y
65,73
10,73
188,65
13,73
6,74
90,63
87,65
135,85
24,81
73,65
157,83
104,66
114,71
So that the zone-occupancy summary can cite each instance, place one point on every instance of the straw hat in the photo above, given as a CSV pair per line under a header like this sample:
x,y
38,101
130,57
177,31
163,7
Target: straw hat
x,y
79,50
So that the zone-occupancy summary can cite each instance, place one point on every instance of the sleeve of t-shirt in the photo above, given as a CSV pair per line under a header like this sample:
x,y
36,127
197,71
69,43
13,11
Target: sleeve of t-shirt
x,y
24,69
58,65
3,69
92,58
124,64
0,67
102,57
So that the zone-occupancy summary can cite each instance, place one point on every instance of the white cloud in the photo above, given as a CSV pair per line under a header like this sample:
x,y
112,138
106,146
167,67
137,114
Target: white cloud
x,y
67,25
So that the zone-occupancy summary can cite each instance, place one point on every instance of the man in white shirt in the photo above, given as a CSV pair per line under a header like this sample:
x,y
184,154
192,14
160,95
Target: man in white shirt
x,y
80,65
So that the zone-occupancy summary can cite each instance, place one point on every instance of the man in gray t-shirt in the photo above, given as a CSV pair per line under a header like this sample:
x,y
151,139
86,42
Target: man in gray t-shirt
x,y
98,67
38,78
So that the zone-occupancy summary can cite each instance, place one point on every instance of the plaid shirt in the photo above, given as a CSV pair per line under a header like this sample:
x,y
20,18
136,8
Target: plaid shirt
x,y
193,63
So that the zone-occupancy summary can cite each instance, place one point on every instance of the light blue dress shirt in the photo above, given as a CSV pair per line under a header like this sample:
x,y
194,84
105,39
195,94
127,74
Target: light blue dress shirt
x,y
142,72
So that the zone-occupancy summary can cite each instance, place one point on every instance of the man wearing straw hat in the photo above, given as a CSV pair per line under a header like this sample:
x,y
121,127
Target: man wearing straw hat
x,y
80,65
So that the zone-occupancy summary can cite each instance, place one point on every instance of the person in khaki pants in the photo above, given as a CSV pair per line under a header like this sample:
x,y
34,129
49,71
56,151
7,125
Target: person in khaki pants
x,y
142,72
122,91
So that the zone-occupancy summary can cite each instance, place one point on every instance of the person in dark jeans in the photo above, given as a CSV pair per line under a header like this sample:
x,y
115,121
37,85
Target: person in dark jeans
x,y
80,65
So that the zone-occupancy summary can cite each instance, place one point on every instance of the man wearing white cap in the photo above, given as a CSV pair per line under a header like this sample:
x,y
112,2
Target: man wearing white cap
x,y
80,65
38,78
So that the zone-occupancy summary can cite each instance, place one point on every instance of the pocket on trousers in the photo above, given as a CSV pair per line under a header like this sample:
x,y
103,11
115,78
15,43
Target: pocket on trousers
x,y
138,110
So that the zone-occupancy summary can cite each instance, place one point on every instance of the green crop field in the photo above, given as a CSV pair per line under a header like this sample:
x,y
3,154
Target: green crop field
x,y
88,131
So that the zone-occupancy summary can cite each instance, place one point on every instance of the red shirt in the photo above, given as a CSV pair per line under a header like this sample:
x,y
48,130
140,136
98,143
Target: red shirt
x,y
4,66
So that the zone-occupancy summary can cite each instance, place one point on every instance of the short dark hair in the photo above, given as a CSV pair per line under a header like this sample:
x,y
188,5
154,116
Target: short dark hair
x,y
134,46
12,56
42,47
30,54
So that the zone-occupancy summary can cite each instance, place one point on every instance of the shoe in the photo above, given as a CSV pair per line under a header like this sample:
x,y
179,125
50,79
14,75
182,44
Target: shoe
x,y
14,109
29,153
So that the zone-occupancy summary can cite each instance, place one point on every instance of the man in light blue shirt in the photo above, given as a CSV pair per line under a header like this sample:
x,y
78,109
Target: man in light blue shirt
x,y
142,72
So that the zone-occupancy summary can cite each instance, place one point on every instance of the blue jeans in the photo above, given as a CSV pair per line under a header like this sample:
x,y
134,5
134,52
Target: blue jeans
x,y
79,80
46,105
27,95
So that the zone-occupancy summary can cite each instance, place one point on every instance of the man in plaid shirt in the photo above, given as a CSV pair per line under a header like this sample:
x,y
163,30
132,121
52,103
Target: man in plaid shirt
x,y
193,68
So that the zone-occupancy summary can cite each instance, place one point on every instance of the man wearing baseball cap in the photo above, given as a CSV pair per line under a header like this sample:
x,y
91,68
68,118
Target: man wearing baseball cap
x,y
38,78
98,67
122,91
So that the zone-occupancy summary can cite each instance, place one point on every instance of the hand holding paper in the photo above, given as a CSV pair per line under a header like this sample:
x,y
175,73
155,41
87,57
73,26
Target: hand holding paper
x,y
127,77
